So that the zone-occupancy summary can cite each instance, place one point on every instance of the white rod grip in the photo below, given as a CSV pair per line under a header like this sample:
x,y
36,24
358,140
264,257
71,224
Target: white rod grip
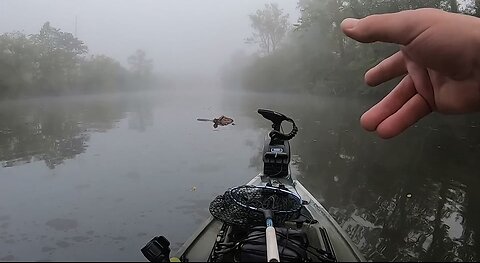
x,y
272,248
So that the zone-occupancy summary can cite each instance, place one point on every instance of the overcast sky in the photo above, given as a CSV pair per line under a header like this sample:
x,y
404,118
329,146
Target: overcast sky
x,y
181,35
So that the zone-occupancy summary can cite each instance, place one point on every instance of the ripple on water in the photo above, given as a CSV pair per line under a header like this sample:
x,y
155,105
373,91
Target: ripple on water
x,y
8,258
80,238
62,224
5,218
62,244
48,249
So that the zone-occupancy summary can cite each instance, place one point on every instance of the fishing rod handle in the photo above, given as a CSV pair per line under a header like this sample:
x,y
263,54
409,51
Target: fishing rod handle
x,y
272,248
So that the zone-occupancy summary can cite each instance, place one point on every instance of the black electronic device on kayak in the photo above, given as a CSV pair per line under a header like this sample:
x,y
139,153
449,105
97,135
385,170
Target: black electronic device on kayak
x,y
157,250
276,150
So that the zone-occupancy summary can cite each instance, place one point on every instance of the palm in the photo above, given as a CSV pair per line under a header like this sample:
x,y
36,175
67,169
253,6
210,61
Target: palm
x,y
454,96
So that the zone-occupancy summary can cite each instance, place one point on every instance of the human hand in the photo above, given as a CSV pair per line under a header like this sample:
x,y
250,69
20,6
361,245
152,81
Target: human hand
x,y
439,58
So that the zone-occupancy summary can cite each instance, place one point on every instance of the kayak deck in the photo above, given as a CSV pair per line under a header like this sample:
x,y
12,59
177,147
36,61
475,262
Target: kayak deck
x,y
199,246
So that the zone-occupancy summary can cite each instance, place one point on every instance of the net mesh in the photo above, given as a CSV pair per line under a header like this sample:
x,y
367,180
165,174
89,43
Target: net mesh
x,y
244,205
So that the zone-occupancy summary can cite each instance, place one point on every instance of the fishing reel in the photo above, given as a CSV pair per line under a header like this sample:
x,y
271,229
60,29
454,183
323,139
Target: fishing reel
x,y
276,151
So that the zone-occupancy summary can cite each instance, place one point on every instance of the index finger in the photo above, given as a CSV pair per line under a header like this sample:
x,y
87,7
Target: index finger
x,y
400,28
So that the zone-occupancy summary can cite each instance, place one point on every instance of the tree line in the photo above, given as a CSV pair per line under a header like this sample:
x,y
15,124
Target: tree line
x,y
53,62
313,55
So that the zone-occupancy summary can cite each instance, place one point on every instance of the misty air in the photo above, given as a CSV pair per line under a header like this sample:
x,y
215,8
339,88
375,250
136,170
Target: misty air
x,y
212,130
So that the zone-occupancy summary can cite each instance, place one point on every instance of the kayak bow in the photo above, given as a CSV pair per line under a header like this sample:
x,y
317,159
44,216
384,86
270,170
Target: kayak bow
x,y
237,231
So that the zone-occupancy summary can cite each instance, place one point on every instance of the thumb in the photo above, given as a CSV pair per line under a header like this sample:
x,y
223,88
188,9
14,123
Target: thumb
x,y
400,28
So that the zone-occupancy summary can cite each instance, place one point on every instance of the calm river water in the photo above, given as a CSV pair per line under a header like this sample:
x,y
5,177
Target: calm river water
x,y
95,177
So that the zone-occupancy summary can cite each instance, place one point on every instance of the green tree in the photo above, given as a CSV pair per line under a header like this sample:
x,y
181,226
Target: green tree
x,y
17,68
141,70
101,73
140,65
270,26
58,56
53,62
316,56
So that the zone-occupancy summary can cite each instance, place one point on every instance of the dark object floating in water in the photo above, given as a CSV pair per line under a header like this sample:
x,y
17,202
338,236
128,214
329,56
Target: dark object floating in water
x,y
220,121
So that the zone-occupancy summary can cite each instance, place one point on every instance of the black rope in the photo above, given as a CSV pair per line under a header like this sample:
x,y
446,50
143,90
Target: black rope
x,y
285,244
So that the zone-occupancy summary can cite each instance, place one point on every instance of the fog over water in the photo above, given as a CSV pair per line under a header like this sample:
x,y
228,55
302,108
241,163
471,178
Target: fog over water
x,y
194,37
100,147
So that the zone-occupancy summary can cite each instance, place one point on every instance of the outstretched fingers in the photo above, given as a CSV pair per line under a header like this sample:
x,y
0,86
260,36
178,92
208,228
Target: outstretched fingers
x,y
421,80
389,68
413,110
413,97
408,102
402,93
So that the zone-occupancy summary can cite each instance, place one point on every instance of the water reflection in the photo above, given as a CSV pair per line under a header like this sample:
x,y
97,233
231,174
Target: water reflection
x,y
106,173
409,197
406,199
136,166
53,130
141,116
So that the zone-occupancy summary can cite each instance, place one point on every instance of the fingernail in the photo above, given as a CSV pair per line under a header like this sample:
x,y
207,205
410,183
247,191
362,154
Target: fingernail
x,y
349,23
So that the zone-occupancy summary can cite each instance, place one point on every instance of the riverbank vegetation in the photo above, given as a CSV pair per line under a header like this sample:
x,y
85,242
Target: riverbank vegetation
x,y
313,55
53,62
